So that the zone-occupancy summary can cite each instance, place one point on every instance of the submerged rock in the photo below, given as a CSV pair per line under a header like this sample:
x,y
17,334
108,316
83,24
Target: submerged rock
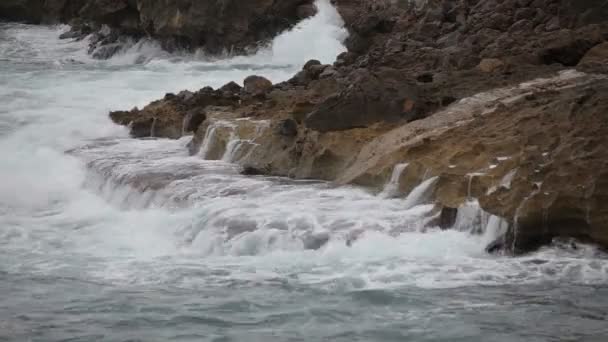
x,y
107,51
497,246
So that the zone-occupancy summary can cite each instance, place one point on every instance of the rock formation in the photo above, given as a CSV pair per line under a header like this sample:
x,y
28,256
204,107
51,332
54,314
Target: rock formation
x,y
504,102
216,26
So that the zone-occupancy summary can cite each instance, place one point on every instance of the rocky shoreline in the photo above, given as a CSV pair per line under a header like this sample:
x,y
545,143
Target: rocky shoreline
x,y
502,104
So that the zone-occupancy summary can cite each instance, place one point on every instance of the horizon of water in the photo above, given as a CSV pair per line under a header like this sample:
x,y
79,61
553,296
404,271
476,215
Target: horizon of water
x,y
106,238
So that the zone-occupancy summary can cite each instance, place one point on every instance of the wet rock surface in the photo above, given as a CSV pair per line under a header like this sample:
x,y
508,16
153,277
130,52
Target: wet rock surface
x,y
482,95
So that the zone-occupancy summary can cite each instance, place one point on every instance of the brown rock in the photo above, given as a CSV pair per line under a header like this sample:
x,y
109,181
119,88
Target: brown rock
x,y
372,97
231,88
306,11
257,85
595,60
489,65
288,128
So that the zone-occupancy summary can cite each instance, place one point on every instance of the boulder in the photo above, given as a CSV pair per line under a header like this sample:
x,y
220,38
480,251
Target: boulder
x,y
311,63
595,60
257,85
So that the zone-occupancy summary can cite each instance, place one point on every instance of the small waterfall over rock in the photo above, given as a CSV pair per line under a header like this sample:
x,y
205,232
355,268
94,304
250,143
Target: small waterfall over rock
x,y
391,189
214,142
232,141
471,218
422,193
495,228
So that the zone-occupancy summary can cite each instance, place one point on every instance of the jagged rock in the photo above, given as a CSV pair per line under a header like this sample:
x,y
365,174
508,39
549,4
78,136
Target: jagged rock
x,y
257,85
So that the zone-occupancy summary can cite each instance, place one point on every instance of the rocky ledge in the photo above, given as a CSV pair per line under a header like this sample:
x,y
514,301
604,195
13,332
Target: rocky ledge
x,y
502,104
215,26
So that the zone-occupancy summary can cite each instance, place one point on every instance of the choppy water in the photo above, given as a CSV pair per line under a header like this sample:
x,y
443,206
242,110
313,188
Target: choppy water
x,y
104,238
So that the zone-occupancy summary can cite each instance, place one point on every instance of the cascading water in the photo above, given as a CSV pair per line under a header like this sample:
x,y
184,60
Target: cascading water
x,y
107,238
421,194
392,187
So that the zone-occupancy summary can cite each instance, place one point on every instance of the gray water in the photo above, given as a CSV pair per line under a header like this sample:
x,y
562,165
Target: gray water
x,y
106,238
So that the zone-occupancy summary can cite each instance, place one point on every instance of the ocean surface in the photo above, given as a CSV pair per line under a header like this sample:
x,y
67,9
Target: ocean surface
x,y
106,238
